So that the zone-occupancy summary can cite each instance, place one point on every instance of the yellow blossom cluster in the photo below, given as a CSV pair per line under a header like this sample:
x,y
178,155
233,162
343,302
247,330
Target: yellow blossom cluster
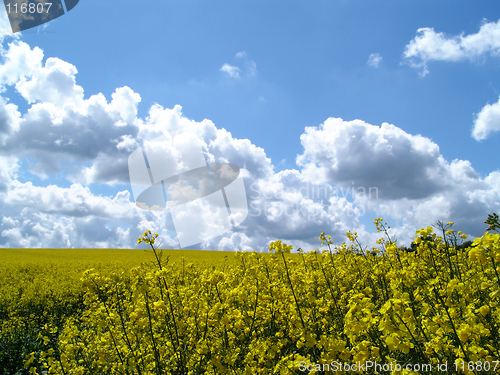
x,y
40,288
274,313
277,313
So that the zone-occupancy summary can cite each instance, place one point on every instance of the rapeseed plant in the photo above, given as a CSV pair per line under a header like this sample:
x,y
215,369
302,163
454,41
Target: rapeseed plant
x,y
284,313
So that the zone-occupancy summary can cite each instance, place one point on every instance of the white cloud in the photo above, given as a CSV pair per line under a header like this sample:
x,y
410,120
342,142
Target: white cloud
x,y
374,60
415,184
429,45
61,126
233,71
20,61
8,169
398,164
487,121
96,137
53,83
10,118
125,101
73,201
248,68
288,205
52,216
34,229
329,192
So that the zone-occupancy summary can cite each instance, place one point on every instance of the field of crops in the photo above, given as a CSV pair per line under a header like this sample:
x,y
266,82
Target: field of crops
x,y
345,310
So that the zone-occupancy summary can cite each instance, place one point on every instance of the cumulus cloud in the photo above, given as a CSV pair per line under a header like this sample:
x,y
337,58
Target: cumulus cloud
x,y
20,61
374,60
289,205
95,138
8,168
410,180
52,83
61,126
347,170
487,121
9,119
429,45
349,153
32,228
75,201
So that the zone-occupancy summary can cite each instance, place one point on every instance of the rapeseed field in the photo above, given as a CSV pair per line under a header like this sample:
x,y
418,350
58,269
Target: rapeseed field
x,y
432,308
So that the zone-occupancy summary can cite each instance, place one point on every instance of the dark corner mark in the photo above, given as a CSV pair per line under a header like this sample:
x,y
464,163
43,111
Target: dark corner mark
x,y
26,14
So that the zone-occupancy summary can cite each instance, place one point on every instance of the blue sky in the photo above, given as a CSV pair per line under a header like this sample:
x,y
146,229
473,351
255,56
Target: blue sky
x,y
264,71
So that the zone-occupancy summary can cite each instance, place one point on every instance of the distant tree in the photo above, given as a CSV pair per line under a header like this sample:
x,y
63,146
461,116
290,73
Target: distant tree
x,y
464,246
413,247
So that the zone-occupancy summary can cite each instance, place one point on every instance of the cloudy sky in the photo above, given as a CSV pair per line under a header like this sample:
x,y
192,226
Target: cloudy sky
x,y
337,112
